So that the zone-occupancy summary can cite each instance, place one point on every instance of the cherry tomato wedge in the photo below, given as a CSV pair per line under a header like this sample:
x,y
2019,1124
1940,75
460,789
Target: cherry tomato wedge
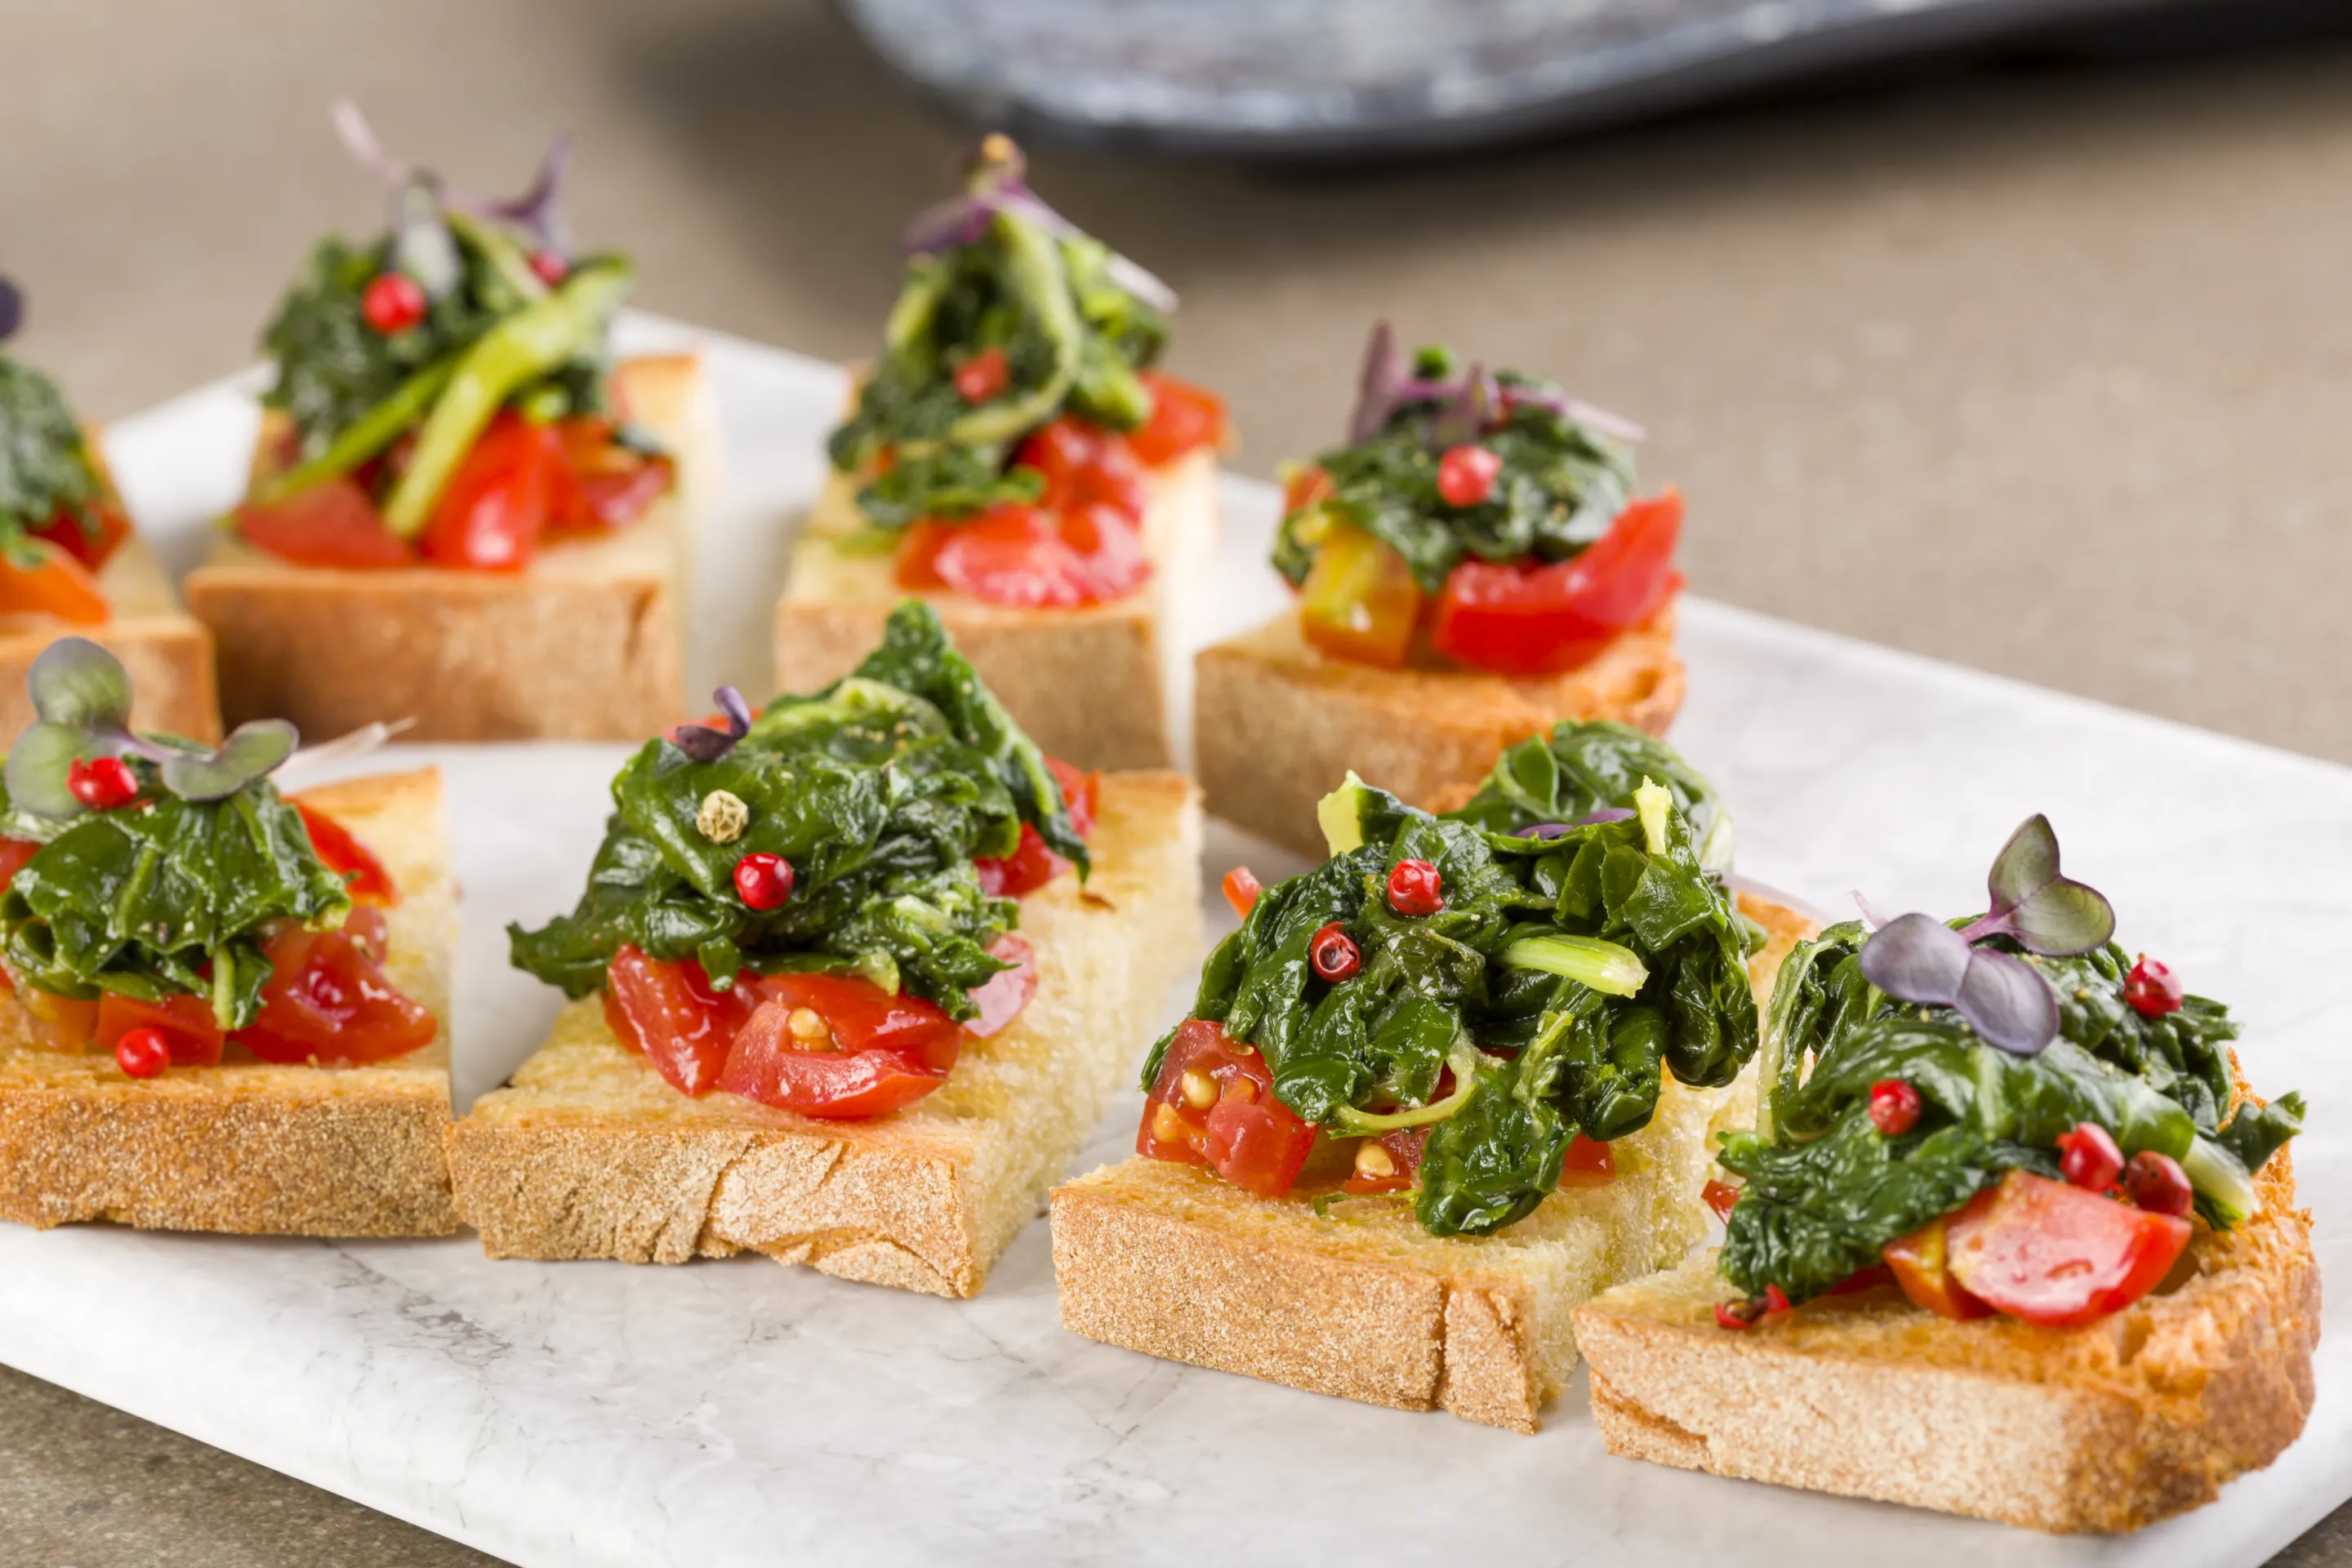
x,y
1241,889
1032,865
13,853
670,1014
327,1000
1084,464
1404,1148
1027,557
364,876
1359,602
332,524
1520,620
60,585
602,485
1920,1263
864,1053
2056,1255
185,1022
1004,993
491,516
1720,1197
91,538
1212,1104
1184,417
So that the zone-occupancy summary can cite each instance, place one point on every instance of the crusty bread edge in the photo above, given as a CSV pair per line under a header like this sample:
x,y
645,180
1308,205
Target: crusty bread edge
x,y
250,1148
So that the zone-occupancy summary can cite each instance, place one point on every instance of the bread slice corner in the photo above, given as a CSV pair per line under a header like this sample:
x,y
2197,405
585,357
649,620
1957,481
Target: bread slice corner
x,y
2108,1427
584,644
1169,1260
247,1146
587,1152
1276,720
1085,683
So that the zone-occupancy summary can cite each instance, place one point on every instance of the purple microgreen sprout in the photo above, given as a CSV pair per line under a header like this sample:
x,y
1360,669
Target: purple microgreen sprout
x,y
995,181
12,310
343,748
1916,958
82,697
538,212
1386,385
705,744
1562,829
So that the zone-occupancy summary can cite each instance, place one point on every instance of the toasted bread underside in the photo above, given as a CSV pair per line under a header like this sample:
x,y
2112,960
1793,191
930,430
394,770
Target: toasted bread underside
x,y
582,645
1278,724
589,1154
1172,1261
1085,683
249,1146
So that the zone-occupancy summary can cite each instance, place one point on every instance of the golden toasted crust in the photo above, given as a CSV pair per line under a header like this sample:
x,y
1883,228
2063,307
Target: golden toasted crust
x,y
251,1146
583,645
589,1154
1170,1260
2108,1427
1085,683
1277,724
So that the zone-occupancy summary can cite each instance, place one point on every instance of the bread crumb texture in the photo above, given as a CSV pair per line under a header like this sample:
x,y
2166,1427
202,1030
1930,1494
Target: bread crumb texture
x,y
1173,1261
251,1146
589,1154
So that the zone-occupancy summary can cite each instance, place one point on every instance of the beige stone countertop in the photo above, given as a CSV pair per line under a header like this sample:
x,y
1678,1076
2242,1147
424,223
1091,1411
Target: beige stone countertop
x,y
2040,371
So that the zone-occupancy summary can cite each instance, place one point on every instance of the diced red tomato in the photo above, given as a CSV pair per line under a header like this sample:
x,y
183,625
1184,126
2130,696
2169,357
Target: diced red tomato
x,y
670,1014
92,547
368,926
13,853
1084,464
1921,1266
1721,1197
1589,1164
2056,1255
1032,865
1001,998
1213,1104
1241,889
600,485
1028,557
1304,485
1183,419
59,586
1522,620
332,524
365,878
327,1000
833,1047
491,516
185,1022
1359,602
1404,1148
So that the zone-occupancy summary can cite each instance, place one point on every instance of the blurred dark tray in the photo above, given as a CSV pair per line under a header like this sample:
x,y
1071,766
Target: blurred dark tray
x,y
1322,77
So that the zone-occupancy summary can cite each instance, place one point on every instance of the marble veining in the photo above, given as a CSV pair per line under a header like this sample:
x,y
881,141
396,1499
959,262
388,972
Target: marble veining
x,y
738,1412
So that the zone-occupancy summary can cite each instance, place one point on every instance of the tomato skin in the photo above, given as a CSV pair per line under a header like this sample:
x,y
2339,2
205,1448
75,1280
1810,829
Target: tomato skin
x,y
1245,1134
1004,993
1359,602
92,549
599,486
2057,1256
185,1022
491,516
1920,1263
1720,1197
365,878
1589,1164
1084,464
332,523
60,586
983,375
670,1014
1027,557
327,1000
888,1052
1527,621
1032,865
1241,889
1183,417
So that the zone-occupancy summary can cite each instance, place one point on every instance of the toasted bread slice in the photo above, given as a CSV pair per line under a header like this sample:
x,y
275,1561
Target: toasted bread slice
x,y
2108,1427
1274,720
582,645
167,651
1172,1261
251,1146
1085,683
589,1154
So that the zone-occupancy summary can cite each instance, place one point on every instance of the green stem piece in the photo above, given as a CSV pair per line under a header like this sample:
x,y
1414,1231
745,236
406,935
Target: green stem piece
x,y
1603,965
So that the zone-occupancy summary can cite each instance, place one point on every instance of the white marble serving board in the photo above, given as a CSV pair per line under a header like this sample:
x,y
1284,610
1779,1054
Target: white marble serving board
x,y
743,1413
